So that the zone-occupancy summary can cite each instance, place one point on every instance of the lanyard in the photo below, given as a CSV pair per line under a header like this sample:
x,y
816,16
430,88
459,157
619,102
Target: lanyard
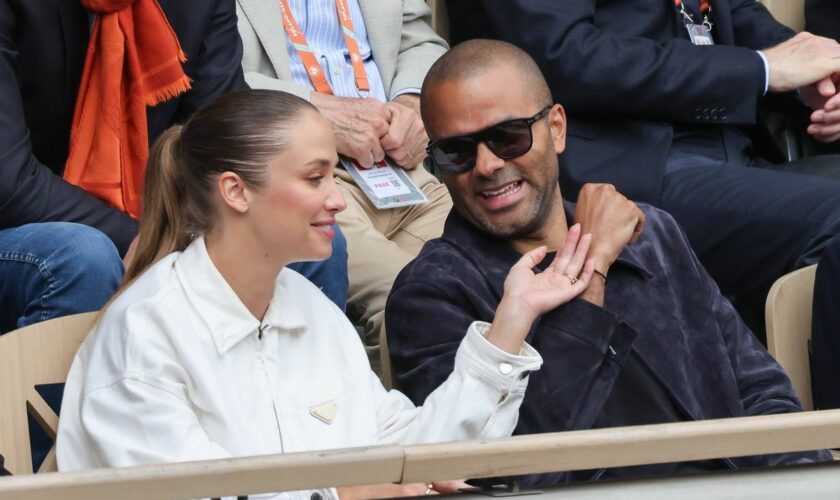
x,y
307,55
704,5
705,9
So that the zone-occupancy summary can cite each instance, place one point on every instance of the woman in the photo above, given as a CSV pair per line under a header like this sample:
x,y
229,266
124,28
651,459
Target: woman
x,y
216,349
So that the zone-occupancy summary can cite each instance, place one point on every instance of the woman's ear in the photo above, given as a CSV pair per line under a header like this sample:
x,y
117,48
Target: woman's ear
x,y
233,192
557,126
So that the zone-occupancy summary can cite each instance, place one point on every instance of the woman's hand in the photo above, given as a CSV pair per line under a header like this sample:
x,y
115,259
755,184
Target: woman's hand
x,y
528,295
399,490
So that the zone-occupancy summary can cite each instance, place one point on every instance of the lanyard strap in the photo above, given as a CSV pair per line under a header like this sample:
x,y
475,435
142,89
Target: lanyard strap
x,y
307,55
704,5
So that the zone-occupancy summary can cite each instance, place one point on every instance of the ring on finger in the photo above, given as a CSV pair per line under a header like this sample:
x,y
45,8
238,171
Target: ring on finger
x,y
572,279
429,489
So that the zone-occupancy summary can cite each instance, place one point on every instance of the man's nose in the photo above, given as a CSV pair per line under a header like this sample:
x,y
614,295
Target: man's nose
x,y
486,162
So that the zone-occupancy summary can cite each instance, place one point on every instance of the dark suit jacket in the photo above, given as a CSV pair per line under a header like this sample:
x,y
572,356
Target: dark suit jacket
x,y
626,74
42,52
822,17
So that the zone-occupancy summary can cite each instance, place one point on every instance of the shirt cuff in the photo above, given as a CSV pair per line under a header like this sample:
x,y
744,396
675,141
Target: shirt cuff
x,y
501,369
409,90
766,70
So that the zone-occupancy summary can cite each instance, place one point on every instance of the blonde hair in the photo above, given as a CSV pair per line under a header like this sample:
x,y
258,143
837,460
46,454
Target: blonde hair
x,y
240,132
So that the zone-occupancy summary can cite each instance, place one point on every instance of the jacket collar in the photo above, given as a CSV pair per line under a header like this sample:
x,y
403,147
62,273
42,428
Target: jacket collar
x,y
496,255
226,318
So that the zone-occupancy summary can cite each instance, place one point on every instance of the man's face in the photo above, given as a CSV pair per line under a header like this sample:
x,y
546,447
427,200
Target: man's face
x,y
512,198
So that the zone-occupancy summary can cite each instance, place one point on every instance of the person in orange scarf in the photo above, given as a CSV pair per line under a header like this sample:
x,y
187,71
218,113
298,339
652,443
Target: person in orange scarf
x,y
116,73
85,87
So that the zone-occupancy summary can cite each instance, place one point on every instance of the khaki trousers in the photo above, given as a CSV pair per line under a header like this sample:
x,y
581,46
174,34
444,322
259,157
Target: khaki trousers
x,y
380,243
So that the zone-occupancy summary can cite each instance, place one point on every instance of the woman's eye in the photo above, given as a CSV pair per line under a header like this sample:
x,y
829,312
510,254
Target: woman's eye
x,y
316,179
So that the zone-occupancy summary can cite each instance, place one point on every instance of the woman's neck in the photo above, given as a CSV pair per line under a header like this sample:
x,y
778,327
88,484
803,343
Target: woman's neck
x,y
249,271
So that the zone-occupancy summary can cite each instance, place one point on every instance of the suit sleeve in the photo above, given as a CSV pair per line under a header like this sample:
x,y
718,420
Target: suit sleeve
x,y
29,191
420,47
219,62
592,71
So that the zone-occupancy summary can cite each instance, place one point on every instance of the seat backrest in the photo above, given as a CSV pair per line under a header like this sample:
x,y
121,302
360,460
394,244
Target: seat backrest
x,y
788,12
31,356
440,18
788,315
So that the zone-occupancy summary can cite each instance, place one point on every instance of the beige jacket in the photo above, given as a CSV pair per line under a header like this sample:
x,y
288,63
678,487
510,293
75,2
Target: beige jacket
x,y
404,45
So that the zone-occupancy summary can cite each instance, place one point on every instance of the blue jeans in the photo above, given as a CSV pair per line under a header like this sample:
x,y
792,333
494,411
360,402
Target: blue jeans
x,y
329,275
54,269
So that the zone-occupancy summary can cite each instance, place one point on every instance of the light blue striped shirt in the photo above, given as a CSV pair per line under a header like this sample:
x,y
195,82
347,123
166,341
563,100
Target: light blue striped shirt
x,y
318,20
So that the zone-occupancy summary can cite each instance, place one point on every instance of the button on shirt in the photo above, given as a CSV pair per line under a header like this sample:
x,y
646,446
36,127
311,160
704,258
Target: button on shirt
x,y
318,19
178,369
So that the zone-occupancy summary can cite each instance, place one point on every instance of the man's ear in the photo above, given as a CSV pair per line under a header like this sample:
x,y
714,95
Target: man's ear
x,y
233,191
557,126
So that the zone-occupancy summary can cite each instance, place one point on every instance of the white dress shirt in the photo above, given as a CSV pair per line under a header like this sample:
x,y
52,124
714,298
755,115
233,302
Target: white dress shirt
x,y
178,369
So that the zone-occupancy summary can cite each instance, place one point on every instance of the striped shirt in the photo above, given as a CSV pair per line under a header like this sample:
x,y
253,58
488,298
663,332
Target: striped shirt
x,y
318,20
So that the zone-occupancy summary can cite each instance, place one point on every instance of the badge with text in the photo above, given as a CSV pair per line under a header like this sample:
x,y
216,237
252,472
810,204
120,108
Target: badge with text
x,y
699,34
386,184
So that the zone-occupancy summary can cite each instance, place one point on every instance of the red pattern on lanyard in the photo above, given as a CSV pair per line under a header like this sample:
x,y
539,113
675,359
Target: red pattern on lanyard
x,y
307,55
704,5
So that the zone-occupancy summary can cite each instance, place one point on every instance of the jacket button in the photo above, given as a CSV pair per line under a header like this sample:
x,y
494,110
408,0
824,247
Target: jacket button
x,y
316,496
505,369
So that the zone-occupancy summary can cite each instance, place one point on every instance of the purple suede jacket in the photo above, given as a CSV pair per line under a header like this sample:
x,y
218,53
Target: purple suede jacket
x,y
660,304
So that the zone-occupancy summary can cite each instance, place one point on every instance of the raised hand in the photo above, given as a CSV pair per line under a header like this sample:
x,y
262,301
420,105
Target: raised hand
x,y
613,220
528,295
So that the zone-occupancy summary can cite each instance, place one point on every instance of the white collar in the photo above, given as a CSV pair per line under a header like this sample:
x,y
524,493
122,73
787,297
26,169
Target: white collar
x,y
227,319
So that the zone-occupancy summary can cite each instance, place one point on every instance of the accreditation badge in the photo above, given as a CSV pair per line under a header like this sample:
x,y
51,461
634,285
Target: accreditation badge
x,y
699,34
386,184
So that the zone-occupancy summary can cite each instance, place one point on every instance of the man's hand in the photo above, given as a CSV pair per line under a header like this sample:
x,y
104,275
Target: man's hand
x,y
613,220
805,59
406,139
824,99
399,490
358,125
528,295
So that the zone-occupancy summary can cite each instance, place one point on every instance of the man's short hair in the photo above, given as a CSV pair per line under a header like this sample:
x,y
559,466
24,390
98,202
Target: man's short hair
x,y
474,57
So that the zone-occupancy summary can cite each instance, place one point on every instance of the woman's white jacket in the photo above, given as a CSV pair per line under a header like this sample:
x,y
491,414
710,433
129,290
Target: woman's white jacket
x,y
178,369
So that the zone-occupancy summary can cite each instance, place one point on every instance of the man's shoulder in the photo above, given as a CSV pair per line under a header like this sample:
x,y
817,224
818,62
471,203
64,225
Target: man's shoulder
x,y
662,239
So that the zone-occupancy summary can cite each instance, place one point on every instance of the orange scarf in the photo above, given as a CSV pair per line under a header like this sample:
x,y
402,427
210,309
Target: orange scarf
x,y
125,71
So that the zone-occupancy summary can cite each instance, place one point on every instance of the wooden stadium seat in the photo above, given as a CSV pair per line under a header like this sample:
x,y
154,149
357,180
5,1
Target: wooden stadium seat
x,y
788,316
31,356
788,12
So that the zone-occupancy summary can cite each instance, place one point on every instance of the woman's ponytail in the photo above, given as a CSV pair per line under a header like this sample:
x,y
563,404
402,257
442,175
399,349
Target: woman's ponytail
x,y
164,226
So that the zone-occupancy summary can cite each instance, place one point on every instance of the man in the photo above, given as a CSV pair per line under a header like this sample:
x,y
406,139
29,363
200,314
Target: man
x,y
650,340
60,246
661,114
396,46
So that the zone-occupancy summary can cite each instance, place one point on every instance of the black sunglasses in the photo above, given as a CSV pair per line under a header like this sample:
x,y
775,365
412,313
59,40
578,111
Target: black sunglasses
x,y
507,140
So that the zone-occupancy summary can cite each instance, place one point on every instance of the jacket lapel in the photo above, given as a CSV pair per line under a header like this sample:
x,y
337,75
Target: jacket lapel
x,y
264,16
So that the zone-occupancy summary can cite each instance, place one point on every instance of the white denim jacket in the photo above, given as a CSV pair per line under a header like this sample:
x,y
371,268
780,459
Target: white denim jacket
x,y
178,369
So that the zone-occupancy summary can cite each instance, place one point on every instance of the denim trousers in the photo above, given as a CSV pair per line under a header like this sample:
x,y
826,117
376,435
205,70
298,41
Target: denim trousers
x,y
54,269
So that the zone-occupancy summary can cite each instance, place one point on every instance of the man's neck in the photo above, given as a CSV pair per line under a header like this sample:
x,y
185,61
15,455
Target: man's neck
x,y
552,234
